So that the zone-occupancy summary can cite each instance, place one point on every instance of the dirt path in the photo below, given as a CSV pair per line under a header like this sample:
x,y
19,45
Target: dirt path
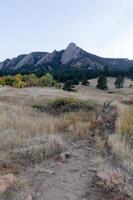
x,y
68,182
70,178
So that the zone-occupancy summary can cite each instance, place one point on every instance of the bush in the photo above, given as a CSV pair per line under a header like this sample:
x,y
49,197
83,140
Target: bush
x,y
68,86
62,105
85,82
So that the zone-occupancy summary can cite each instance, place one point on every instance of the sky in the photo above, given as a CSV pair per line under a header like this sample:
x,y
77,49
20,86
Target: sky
x,y
102,27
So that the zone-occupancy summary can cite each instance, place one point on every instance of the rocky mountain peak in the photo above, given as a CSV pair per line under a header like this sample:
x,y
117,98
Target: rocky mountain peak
x,y
71,52
72,45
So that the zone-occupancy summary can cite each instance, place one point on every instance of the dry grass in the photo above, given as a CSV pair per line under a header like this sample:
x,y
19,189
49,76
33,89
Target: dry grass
x,y
125,123
119,147
27,135
100,144
79,130
121,143
114,182
37,149
127,101
24,119
20,184
111,178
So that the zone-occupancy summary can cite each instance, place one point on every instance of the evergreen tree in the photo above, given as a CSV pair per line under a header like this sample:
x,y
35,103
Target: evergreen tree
x,y
85,82
102,83
68,85
119,82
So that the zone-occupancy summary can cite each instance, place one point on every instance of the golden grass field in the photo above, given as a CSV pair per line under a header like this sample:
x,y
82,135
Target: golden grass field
x,y
31,140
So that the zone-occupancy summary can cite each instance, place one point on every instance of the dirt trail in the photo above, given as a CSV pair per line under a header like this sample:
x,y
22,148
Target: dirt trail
x,y
70,178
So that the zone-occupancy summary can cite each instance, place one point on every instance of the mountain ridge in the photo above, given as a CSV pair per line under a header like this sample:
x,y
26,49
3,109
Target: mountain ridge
x,y
73,56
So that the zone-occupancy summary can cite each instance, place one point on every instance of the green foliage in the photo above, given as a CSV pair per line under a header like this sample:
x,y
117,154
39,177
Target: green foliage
x,y
7,80
57,84
2,81
49,80
131,73
85,81
74,74
102,83
17,82
119,82
106,71
32,80
21,81
68,86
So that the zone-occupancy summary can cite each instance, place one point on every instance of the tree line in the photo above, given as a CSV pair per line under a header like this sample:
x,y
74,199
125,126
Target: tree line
x,y
30,80
66,78
102,82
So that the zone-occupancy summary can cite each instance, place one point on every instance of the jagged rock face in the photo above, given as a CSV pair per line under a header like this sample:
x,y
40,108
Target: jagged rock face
x,y
47,58
86,62
22,60
30,59
71,52
72,56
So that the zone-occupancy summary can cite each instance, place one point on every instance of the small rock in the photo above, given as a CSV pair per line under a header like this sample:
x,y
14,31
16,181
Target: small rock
x,y
29,197
49,171
6,181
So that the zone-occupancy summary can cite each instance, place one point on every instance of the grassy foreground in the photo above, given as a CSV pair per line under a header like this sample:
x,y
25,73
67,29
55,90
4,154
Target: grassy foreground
x,y
31,134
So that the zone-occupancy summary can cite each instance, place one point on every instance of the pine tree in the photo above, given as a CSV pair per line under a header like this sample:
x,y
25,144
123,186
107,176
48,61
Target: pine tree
x,y
68,85
119,82
102,83
85,81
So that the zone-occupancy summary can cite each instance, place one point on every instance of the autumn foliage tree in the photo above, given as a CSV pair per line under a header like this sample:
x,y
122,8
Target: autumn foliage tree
x,y
31,80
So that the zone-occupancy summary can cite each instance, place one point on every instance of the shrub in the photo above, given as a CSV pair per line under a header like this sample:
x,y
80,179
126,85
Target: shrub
x,y
62,105
21,81
68,86
114,183
85,82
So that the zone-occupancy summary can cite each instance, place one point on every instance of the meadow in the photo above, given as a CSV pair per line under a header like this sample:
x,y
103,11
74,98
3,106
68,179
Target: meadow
x,y
48,136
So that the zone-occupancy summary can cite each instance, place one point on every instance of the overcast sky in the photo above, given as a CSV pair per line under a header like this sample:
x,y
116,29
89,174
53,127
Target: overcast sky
x,y
103,27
